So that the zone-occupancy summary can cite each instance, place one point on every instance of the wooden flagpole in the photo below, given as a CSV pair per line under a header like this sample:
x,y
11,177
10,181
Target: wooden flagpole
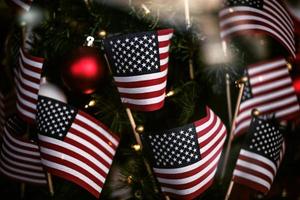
x,y
136,134
229,190
50,184
187,14
139,141
228,95
241,85
188,26
254,112
191,69
22,188
133,126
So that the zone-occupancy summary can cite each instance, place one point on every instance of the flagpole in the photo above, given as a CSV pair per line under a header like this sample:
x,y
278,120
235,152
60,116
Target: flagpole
x,y
228,95
254,112
136,134
229,190
187,14
22,187
49,177
50,184
191,69
241,85
188,26
136,131
133,126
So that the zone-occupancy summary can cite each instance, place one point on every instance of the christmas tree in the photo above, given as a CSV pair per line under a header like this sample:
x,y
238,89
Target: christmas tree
x,y
85,62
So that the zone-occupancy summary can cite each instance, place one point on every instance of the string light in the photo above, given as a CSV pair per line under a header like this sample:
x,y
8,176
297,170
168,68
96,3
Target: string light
x,y
289,66
136,147
170,93
146,10
102,33
129,179
92,103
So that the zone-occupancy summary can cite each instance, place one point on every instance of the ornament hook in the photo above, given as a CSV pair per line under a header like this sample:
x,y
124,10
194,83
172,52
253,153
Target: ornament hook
x,y
90,41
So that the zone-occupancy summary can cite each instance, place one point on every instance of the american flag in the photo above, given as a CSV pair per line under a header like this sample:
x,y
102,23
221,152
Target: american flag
x,y
27,78
269,89
185,159
261,16
7,108
22,4
20,158
140,64
260,156
74,145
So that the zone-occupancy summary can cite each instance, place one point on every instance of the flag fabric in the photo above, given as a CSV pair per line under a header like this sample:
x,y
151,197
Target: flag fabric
x,y
7,108
185,159
258,16
27,79
139,63
260,156
270,90
74,145
20,158
22,4
296,19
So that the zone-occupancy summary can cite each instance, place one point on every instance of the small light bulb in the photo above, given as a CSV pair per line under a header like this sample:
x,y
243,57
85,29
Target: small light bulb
x,y
102,33
289,66
92,103
86,106
146,10
136,147
170,93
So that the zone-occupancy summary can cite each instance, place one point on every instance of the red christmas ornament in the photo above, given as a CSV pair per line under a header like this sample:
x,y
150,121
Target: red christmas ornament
x,y
84,70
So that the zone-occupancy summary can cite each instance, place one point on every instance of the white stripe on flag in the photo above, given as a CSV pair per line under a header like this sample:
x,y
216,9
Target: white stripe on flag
x,y
255,167
72,172
71,148
31,62
73,160
144,77
206,124
148,101
258,27
191,189
259,158
268,76
265,67
192,166
251,178
192,178
18,177
271,85
90,146
138,90
100,130
162,38
26,159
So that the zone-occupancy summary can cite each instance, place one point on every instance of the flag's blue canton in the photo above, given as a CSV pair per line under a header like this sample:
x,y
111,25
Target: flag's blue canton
x,y
133,54
265,139
249,3
54,118
175,148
